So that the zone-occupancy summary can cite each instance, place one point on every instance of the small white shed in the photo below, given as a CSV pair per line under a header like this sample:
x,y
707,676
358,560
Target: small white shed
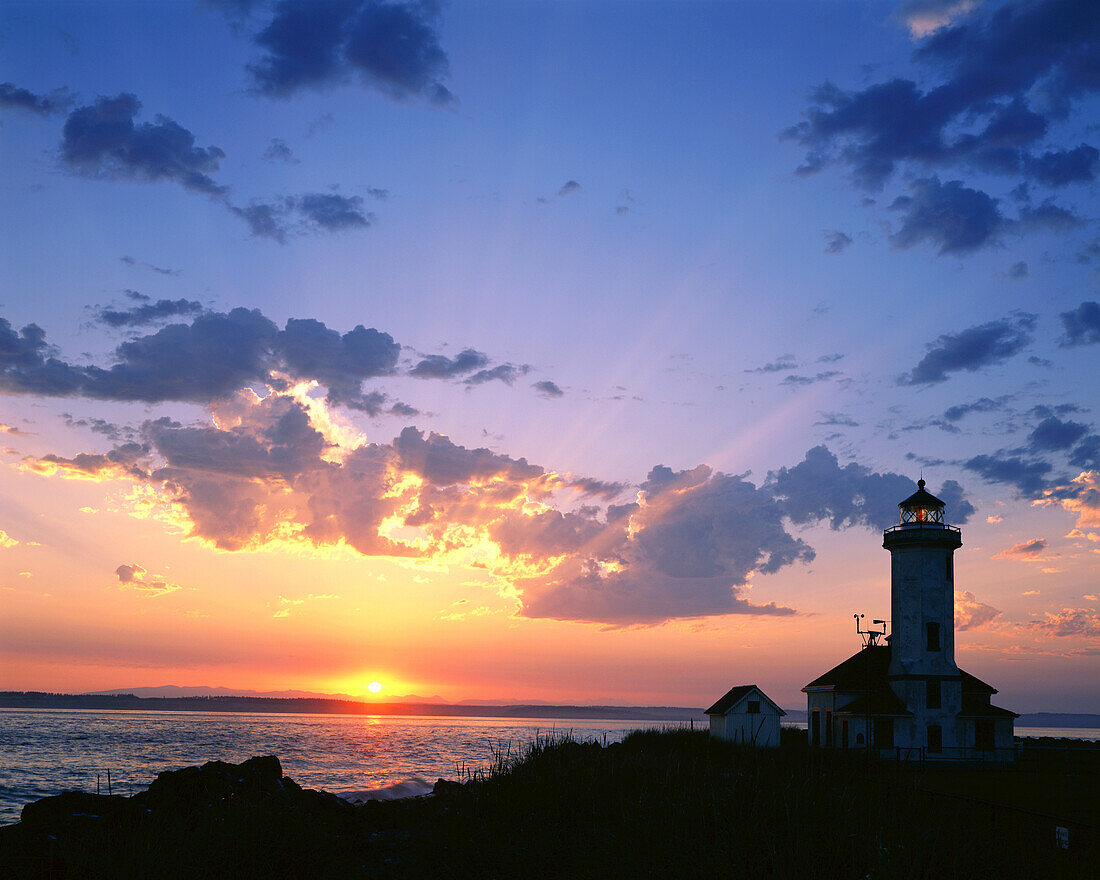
x,y
746,715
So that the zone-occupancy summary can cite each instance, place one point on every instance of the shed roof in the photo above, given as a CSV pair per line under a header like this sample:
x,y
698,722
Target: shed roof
x,y
735,695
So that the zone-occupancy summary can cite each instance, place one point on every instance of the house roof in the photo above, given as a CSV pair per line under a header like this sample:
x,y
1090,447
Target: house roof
x,y
882,702
735,695
975,707
866,670
866,667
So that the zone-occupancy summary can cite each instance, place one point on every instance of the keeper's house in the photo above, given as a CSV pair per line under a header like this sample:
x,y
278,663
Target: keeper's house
x,y
907,698
746,715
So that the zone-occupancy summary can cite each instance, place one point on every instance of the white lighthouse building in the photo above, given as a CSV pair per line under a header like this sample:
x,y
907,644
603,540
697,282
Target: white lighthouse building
x,y
908,698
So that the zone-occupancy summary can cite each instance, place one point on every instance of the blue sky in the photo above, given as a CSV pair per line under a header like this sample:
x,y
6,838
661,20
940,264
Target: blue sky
x,y
674,234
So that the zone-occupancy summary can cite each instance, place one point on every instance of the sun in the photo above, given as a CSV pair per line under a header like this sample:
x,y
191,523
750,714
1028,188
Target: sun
x,y
374,687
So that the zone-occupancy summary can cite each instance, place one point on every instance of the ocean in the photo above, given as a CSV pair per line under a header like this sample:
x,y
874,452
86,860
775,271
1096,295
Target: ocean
x,y
46,751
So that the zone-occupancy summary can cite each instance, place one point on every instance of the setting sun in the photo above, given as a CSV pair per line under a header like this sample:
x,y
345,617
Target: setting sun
x,y
375,687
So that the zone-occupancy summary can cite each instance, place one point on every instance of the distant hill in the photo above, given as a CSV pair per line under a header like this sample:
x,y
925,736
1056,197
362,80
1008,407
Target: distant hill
x,y
172,690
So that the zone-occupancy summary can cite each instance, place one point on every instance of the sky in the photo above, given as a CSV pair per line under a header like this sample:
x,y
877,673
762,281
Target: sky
x,y
573,352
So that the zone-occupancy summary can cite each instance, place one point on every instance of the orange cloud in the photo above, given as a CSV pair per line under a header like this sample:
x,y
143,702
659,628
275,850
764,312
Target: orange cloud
x,y
971,614
1032,549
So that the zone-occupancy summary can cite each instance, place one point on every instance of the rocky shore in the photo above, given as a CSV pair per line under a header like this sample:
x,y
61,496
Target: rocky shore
x,y
660,804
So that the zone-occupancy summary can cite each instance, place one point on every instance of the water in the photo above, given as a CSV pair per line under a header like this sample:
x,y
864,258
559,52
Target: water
x,y
46,751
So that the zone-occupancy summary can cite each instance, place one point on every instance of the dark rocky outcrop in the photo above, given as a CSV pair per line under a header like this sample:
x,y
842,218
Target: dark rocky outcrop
x,y
217,820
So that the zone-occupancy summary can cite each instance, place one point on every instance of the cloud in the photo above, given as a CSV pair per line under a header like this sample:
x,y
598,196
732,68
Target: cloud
x,y
437,366
798,381
7,541
1082,325
1032,549
1053,434
1079,496
135,577
130,261
278,470
981,405
971,614
783,362
278,151
989,107
972,349
1070,623
957,219
548,389
391,46
506,373
819,489
1018,270
569,187
836,241
103,140
1029,477
923,17
13,97
148,313
838,419
310,212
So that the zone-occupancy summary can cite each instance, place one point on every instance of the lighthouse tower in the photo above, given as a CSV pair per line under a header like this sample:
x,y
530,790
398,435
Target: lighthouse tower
x,y
922,670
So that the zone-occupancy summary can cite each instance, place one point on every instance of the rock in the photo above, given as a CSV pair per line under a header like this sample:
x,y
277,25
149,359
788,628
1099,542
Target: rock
x,y
74,808
446,786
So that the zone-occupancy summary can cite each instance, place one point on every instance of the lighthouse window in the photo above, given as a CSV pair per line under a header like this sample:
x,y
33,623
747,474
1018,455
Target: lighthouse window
x,y
935,739
933,633
949,573
932,694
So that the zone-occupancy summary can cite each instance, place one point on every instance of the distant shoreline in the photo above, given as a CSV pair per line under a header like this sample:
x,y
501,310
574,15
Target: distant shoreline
x,y
321,706
325,706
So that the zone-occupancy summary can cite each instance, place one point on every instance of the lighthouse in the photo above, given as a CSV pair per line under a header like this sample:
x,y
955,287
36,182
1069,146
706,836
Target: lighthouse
x,y
903,695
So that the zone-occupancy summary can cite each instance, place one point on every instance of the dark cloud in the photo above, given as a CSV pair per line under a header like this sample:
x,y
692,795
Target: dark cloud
x,y
98,426
391,46
1028,477
1001,78
148,313
569,187
548,389
1086,454
993,61
1018,270
981,405
1082,325
135,577
840,420
12,97
781,363
210,358
311,212
506,373
798,381
600,488
103,140
1053,434
160,270
819,489
972,349
437,366
278,151
955,218
836,241
332,212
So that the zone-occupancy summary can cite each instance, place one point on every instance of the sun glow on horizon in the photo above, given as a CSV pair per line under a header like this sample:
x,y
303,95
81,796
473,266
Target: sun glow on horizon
x,y
375,687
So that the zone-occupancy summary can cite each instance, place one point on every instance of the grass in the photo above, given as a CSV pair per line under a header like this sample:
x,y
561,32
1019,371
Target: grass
x,y
672,803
